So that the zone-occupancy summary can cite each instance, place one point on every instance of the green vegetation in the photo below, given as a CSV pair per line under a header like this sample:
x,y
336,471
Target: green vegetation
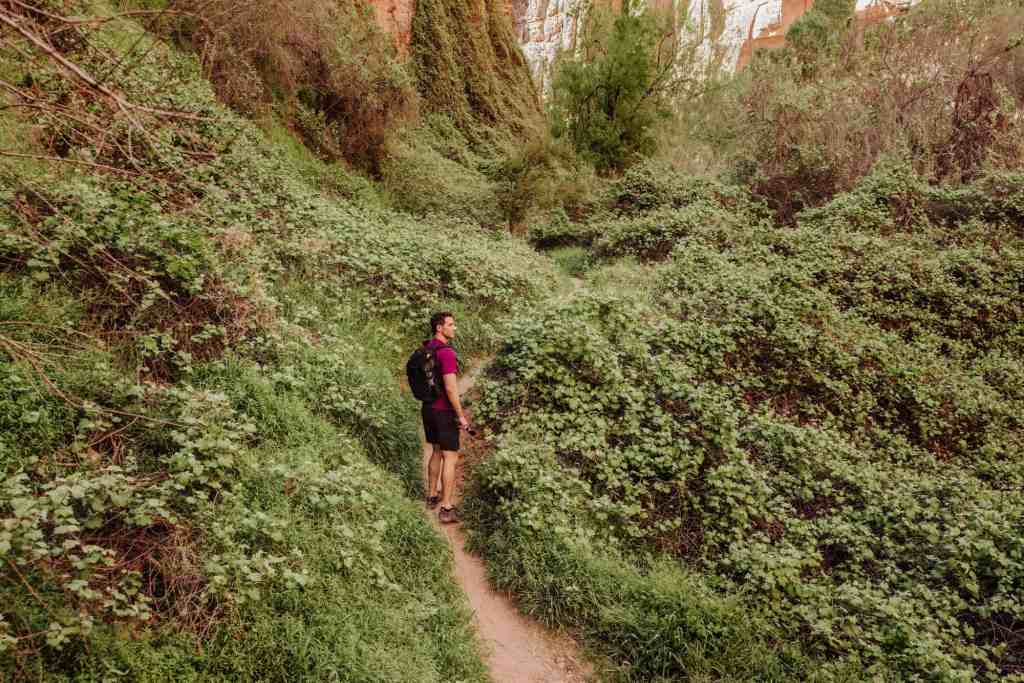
x,y
470,68
822,422
606,101
817,33
757,415
780,436
206,459
809,131
322,65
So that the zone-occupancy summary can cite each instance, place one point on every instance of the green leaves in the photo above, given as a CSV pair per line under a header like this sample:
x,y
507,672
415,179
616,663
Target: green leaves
x,y
606,98
826,417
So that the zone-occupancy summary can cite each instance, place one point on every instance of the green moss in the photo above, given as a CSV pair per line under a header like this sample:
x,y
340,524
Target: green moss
x,y
468,66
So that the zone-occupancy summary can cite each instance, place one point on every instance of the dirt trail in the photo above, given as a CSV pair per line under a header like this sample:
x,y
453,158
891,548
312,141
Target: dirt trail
x,y
519,650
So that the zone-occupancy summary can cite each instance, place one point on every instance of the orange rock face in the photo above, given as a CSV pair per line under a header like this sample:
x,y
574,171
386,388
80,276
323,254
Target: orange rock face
x,y
395,17
773,35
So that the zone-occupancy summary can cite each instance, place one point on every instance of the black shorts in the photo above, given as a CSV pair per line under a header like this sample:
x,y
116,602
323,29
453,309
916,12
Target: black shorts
x,y
441,427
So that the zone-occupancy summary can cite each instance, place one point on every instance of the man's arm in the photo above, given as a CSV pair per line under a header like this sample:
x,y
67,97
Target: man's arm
x,y
451,387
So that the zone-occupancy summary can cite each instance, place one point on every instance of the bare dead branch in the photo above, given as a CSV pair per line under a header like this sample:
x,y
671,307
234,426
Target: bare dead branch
x,y
77,162
19,352
80,74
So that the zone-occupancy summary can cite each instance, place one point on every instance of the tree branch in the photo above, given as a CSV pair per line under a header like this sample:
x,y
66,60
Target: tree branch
x,y
80,74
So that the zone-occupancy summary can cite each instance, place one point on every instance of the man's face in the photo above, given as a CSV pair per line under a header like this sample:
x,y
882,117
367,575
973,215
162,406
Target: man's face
x,y
448,328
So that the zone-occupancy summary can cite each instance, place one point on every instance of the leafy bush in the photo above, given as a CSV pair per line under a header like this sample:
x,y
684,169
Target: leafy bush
x,y
202,443
804,124
652,236
542,177
817,33
654,185
826,416
531,522
573,260
332,69
434,170
558,231
653,208
606,99
647,210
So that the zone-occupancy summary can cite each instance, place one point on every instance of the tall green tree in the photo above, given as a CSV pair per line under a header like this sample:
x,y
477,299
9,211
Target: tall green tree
x,y
818,32
607,96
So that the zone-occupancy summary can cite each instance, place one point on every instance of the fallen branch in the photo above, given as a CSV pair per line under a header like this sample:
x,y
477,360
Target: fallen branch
x,y
80,74
41,157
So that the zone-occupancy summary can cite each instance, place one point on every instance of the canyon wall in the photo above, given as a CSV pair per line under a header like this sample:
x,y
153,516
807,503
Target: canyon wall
x,y
728,30
395,17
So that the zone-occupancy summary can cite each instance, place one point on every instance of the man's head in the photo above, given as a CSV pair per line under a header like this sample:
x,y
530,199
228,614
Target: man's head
x,y
442,323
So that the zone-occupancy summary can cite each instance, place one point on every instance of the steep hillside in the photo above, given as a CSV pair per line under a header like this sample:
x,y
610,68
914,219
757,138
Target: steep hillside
x,y
753,408
811,430
778,435
206,460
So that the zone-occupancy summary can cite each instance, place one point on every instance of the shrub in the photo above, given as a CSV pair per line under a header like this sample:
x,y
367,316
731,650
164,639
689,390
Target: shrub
x,y
662,446
541,177
661,623
556,230
606,101
426,174
188,497
655,185
655,207
826,415
327,63
811,134
818,32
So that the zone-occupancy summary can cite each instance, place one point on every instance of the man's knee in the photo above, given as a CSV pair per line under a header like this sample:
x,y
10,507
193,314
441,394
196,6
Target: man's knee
x,y
450,454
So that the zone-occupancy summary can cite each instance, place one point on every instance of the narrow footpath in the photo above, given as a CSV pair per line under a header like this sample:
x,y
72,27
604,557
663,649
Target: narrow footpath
x,y
517,649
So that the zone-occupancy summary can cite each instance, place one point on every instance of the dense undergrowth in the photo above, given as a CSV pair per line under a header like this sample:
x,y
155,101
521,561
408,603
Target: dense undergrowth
x,y
781,436
823,422
206,459
775,435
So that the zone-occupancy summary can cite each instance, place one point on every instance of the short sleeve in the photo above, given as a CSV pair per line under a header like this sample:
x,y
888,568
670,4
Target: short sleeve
x,y
446,359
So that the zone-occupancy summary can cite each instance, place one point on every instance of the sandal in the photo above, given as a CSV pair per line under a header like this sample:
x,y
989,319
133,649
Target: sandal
x,y
432,501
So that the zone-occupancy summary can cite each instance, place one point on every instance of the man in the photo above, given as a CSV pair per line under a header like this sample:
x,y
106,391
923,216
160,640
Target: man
x,y
442,420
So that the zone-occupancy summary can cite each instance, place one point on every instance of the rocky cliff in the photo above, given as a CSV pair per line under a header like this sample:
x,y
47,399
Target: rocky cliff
x,y
729,30
395,17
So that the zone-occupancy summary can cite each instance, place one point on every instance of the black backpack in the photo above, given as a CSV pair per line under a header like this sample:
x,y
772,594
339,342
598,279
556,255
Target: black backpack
x,y
423,373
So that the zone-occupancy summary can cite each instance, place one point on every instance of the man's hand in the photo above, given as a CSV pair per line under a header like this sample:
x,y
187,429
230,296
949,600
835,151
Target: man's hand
x,y
463,422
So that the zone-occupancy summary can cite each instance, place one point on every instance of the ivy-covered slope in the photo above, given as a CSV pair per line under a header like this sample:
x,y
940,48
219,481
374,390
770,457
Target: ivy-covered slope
x,y
775,453
469,66
205,459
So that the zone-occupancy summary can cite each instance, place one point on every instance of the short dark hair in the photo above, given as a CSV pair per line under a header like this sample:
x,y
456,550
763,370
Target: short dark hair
x,y
438,319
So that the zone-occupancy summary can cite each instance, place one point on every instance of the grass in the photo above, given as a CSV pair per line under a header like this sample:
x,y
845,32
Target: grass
x,y
573,260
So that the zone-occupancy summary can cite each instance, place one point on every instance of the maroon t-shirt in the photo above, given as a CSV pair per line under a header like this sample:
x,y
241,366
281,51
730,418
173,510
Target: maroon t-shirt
x,y
448,364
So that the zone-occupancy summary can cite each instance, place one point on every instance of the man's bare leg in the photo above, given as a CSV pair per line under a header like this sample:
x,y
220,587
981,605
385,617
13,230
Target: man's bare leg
x,y
451,458
433,454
